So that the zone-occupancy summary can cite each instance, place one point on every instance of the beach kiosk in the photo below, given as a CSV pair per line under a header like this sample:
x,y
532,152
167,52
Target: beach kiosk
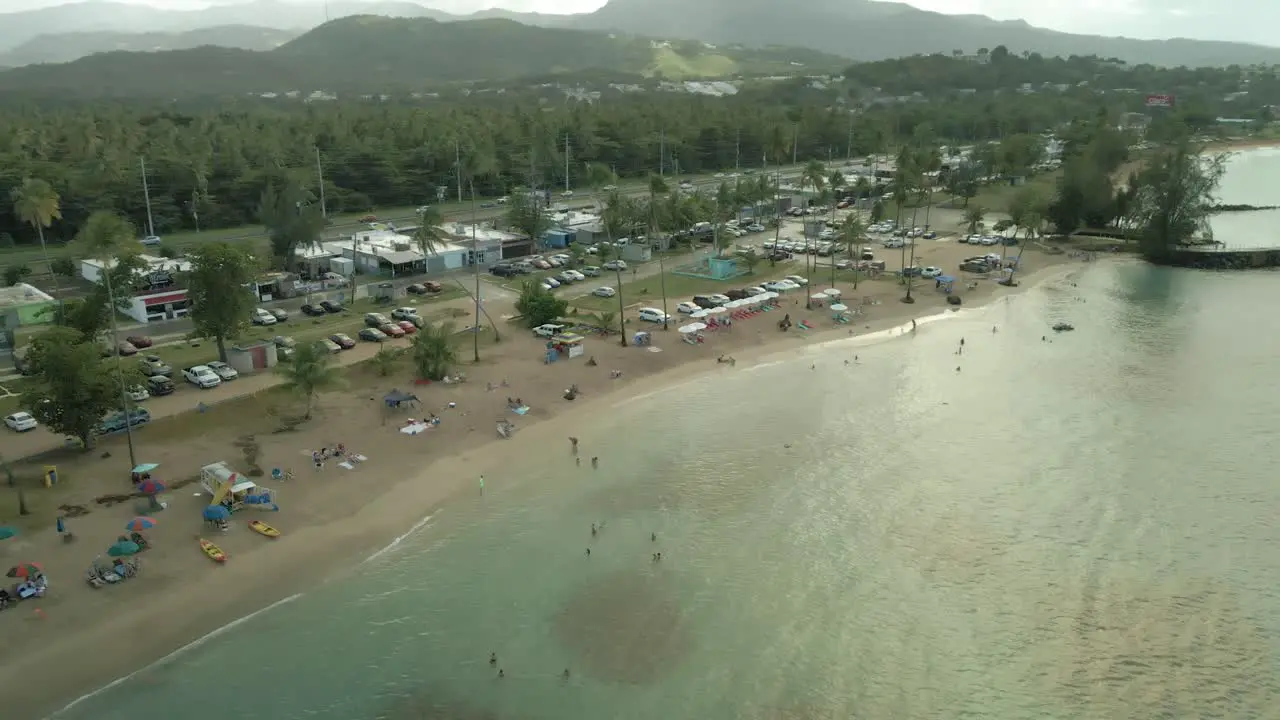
x,y
234,491
568,344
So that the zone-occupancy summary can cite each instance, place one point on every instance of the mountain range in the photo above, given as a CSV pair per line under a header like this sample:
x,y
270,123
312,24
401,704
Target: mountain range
x,y
856,29
369,55
67,46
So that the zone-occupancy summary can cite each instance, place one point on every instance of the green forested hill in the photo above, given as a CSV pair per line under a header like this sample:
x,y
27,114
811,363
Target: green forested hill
x,y
371,54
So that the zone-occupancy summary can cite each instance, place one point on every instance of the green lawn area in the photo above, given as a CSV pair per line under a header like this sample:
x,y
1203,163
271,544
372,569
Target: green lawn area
x,y
648,290
997,197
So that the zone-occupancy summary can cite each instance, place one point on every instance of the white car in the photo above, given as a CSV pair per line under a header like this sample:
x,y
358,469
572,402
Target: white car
x,y
755,290
590,271
609,188
223,370
780,286
931,272
551,281
755,227
615,265
151,240
547,286
20,422
798,280
653,315
687,308
577,276
404,313
605,292
260,316
567,277
548,329
137,393
567,193
201,376
719,299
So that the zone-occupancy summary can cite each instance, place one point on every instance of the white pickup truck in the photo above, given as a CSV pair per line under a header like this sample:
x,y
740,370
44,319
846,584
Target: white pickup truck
x,y
202,376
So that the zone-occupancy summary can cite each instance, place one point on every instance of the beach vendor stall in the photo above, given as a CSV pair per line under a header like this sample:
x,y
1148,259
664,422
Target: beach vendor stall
x,y
840,313
692,333
233,490
945,283
568,344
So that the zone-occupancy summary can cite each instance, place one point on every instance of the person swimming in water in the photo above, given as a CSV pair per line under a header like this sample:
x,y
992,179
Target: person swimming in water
x,y
653,537
593,530
501,674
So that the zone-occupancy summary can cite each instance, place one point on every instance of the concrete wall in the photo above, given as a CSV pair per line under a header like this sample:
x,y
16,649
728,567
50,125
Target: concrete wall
x,y
1225,259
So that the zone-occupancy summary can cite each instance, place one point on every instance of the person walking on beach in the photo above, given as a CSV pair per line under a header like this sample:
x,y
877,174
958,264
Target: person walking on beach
x,y
573,444
593,530
595,462
482,485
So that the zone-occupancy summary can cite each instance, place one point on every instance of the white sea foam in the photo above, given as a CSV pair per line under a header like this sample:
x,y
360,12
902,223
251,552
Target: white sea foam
x,y
401,538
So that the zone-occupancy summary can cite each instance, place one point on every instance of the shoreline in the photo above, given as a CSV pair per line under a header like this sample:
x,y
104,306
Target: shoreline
x,y
322,552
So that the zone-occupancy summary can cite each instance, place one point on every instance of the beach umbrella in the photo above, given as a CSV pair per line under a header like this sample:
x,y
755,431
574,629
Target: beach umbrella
x,y
699,314
697,326
150,487
124,548
686,329
818,296
215,512
139,524
714,311
25,570
771,295
7,532
145,467
831,292
839,307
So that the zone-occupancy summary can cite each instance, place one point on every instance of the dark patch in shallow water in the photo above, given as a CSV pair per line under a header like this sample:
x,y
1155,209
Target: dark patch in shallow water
x,y
422,705
625,627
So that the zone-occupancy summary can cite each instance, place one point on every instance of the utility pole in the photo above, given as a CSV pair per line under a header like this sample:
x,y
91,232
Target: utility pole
x,y
662,152
566,162
457,164
146,194
324,209
848,147
795,142
737,151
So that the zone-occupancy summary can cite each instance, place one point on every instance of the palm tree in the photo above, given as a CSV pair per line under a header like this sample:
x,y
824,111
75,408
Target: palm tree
x,y
775,150
308,373
658,187
428,236
815,175
36,203
432,351
1033,221
973,217
851,232
105,237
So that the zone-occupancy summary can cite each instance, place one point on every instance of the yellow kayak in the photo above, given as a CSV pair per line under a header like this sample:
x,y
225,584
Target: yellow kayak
x,y
263,528
213,551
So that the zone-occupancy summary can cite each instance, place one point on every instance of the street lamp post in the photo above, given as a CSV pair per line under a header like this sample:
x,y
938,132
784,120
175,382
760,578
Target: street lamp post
x,y
124,396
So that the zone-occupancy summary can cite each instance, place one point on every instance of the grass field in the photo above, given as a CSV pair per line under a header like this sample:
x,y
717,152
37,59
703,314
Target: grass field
x,y
671,65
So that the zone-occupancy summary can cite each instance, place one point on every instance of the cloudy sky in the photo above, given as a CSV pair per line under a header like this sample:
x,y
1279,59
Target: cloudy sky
x,y
1204,19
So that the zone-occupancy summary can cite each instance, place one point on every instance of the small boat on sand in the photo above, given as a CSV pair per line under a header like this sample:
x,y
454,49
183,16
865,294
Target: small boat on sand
x,y
213,551
260,527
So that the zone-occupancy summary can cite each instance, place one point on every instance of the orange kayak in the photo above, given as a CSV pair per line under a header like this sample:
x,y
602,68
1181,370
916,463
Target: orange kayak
x,y
213,551
263,528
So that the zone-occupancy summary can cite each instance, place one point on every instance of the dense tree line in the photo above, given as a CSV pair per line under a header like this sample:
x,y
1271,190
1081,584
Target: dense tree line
x,y
212,167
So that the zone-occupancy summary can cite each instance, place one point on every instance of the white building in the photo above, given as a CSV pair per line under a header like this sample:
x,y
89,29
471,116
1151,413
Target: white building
x,y
157,291
394,254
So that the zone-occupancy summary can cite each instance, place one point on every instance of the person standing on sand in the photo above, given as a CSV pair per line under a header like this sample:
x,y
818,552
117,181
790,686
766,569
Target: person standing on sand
x,y
595,462
573,445
482,485
913,325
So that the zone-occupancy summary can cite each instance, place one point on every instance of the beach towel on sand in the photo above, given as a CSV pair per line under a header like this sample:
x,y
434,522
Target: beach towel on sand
x,y
520,410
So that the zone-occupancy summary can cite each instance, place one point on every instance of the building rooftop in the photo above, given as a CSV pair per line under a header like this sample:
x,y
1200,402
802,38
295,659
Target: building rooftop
x,y
153,263
462,233
22,294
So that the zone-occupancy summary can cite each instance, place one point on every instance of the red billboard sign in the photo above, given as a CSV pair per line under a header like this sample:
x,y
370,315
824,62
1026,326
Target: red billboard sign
x,y
1160,101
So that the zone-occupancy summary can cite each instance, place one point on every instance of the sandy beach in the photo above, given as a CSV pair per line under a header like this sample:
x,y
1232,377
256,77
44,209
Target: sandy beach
x,y
333,518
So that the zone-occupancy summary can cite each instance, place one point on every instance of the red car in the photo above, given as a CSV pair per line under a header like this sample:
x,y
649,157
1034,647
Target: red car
x,y
342,340
408,327
139,341
392,330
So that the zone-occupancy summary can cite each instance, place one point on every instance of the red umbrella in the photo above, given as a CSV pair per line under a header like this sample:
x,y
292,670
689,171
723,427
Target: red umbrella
x,y
139,524
150,487
25,570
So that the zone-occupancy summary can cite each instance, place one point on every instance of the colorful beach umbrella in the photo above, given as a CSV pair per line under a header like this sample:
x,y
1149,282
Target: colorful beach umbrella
x,y
215,512
25,570
150,487
139,524
7,532
124,548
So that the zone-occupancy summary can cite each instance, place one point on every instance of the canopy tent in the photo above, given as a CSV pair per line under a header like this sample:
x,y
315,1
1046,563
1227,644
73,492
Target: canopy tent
x,y
396,398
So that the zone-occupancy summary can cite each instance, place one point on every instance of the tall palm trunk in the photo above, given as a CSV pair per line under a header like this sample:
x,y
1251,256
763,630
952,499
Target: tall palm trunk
x,y
124,396
44,250
910,276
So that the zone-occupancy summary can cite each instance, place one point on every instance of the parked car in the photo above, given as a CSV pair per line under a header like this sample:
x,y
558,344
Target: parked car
x,y
844,264
159,385
404,313
312,310
755,228
605,292
124,348
372,335
223,370
202,376
687,308
548,329
590,271
151,241
615,265
328,346
797,279
502,271
137,393
332,306
375,319
280,314
703,302
653,315
260,316
416,289
119,420
392,330
152,365
568,276
139,341
284,346
931,272
343,340
20,422
553,282
409,327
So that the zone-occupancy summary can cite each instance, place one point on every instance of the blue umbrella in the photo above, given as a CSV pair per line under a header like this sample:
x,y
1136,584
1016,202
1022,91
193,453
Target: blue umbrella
x,y
124,548
7,532
215,512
